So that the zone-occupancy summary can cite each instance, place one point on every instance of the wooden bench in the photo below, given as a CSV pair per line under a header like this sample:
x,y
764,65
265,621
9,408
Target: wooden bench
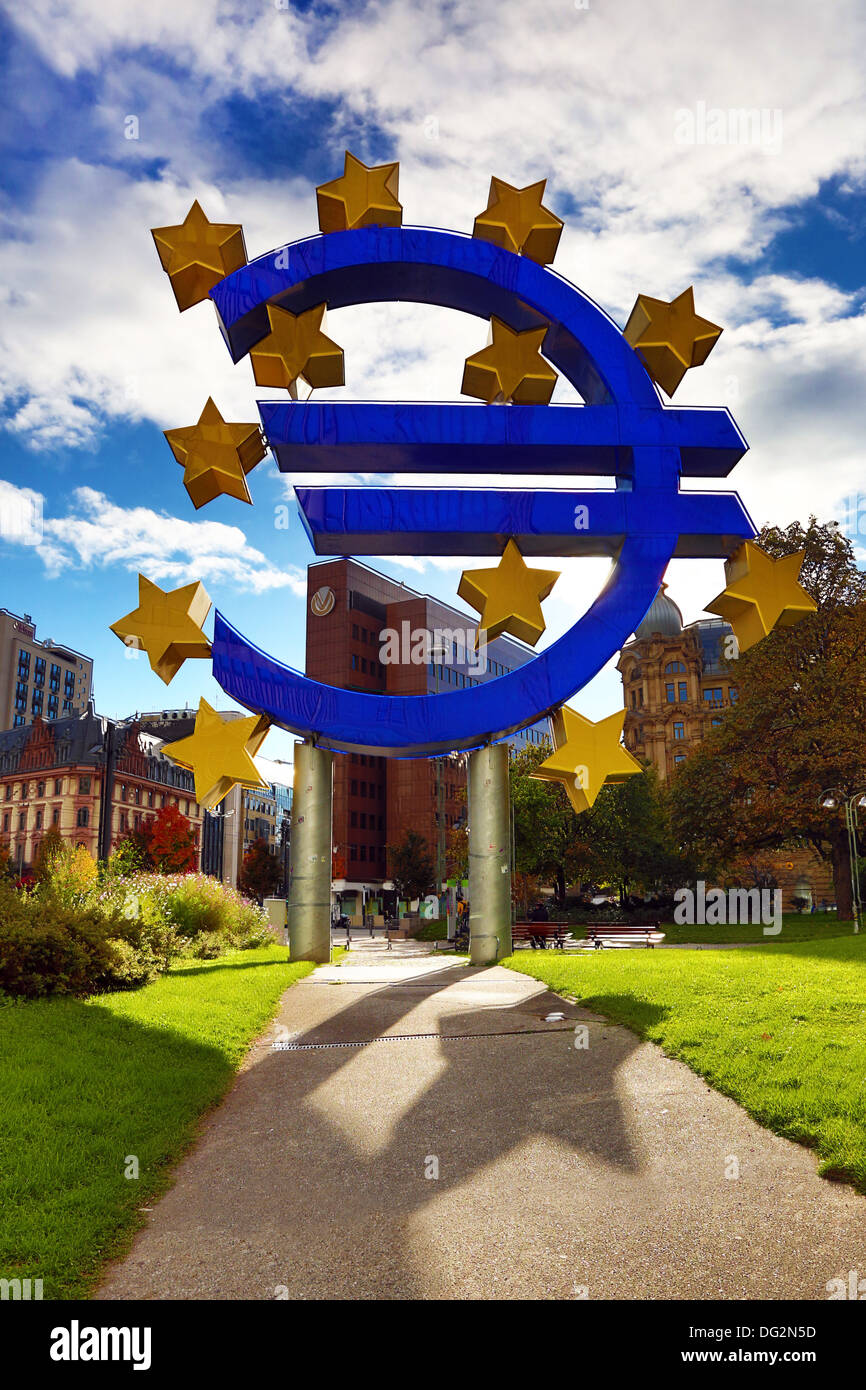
x,y
541,935
600,934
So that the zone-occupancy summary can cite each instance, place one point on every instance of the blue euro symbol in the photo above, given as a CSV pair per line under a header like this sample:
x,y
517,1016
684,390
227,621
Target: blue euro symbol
x,y
621,431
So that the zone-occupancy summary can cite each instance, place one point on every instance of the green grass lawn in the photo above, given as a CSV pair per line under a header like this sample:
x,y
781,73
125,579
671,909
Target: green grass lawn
x,y
84,1084
781,1029
795,927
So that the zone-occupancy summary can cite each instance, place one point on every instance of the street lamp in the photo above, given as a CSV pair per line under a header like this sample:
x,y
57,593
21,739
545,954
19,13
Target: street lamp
x,y
830,800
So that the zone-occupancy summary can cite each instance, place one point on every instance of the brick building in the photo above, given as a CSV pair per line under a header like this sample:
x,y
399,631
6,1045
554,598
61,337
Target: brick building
x,y
676,688
54,774
351,611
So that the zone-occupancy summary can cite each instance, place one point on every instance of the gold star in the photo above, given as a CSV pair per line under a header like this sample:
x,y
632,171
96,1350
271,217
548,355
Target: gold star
x,y
762,593
586,756
508,597
516,220
197,254
510,368
297,348
670,338
167,624
216,456
220,753
362,197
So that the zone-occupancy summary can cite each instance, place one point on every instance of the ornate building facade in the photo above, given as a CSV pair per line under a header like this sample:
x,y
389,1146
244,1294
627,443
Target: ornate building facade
x,y
90,778
676,687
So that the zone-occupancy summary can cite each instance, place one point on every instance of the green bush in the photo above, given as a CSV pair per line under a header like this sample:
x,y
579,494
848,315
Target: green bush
x,y
119,932
51,947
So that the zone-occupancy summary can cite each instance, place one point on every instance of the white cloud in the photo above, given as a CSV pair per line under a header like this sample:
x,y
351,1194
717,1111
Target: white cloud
x,y
95,533
520,88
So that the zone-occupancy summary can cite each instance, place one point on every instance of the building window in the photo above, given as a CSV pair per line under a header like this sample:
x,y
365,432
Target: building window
x,y
36,702
354,786
38,820
40,788
716,723
679,730
83,816
354,661
670,694
55,816
713,696
680,758
58,786
683,692
84,785
8,791
22,821
673,668
733,694
6,820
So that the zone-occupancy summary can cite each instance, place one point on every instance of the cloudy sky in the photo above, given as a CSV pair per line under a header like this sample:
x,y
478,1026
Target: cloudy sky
x,y
629,110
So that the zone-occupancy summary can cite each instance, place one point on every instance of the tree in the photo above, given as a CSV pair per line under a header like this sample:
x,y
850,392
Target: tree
x,y
633,844
51,845
797,729
261,871
165,843
411,866
624,839
547,838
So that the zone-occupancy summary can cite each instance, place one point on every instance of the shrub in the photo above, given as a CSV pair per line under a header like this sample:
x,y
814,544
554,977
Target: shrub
x,y
51,947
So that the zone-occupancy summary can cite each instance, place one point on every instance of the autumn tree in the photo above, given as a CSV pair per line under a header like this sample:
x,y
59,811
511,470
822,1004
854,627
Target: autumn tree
x,y
797,730
261,871
166,843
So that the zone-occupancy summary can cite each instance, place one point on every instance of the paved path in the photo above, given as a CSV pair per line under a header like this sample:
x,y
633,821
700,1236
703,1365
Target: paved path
x,y
563,1172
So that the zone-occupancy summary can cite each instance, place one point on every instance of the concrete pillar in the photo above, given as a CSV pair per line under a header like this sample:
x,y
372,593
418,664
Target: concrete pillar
x,y
310,890
489,855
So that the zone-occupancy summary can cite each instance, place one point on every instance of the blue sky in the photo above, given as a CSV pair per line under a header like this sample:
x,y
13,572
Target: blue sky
x,y
249,106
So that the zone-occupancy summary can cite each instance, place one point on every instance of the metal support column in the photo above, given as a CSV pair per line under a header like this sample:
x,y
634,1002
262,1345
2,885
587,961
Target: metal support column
x,y
489,855
310,891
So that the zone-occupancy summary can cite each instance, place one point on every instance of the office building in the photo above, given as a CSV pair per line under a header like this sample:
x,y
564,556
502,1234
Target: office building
x,y
39,679
371,633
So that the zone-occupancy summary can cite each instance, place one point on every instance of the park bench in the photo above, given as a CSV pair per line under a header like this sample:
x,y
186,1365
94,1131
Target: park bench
x,y
600,934
542,935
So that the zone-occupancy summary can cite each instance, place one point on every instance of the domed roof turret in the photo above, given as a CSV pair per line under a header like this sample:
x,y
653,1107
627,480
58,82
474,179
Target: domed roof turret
x,y
663,617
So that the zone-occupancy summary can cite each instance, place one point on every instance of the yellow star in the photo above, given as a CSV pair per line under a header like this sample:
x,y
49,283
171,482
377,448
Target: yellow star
x,y
362,197
297,348
762,593
197,254
220,753
587,755
510,368
508,597
216,456
670,338
167,624
516,220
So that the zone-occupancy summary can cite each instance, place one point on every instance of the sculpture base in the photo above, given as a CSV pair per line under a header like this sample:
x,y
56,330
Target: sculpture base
x,y
310,891
489,855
